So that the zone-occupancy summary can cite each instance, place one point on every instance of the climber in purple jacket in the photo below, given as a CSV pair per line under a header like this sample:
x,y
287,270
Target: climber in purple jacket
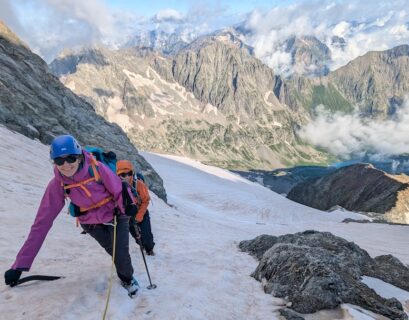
x,y
96,192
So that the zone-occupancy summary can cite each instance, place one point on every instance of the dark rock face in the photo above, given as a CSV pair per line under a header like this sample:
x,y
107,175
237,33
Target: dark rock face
x,y
317,270
359,187
35,103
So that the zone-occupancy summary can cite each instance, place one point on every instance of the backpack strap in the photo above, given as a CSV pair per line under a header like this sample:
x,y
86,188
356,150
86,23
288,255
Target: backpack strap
x,y
97,205
127,200
130,206
140,176
95,176
137,197
135,192
94,168
81,185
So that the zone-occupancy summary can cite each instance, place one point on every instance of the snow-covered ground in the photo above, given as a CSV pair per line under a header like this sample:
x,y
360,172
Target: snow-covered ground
x,y
199,272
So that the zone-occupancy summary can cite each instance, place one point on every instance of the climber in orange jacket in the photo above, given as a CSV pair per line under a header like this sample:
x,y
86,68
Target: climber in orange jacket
x,y
126,172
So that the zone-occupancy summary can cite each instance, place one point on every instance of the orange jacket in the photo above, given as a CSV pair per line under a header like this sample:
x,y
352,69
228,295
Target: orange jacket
x,y
143,201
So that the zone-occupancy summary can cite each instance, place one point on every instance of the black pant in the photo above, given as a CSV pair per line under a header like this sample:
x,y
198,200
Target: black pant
x,y
104,234
146,232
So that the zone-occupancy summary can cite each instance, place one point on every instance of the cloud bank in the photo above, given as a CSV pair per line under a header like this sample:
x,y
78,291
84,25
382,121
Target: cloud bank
x,y
168,15
48,26
350,136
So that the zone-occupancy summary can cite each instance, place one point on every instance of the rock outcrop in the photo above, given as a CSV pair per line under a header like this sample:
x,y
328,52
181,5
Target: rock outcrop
x,y
317,270
358,187
35,103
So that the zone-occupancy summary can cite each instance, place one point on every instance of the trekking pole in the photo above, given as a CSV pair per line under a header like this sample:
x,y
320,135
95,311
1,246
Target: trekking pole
x,y
151,286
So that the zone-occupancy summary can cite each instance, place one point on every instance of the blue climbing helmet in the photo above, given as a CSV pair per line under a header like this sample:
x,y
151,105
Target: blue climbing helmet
x,y
64,145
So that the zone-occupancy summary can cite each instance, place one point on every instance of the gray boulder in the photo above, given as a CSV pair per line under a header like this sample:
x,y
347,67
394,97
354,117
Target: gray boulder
x,y
389,269
317,270
258,246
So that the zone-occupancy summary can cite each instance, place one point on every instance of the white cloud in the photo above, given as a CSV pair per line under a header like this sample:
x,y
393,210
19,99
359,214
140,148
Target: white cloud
x,y
365,26
168,15
48,26
342,29
350,135
280,61
92,12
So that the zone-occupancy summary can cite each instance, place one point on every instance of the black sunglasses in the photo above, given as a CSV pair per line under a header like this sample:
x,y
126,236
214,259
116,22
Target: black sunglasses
x,y
59,161
126,174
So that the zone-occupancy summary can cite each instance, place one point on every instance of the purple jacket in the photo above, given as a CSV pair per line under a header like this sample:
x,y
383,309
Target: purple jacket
x,y
53,202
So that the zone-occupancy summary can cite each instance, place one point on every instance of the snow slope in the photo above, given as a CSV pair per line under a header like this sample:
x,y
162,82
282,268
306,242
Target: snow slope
x,y
198,269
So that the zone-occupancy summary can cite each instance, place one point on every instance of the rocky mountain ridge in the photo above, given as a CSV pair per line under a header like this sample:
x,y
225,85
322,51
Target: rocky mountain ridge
x,y
374,84
233,111
35,103
228,113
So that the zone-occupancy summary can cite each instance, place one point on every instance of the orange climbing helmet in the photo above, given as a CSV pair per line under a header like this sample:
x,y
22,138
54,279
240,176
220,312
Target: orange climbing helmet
x,y
124,166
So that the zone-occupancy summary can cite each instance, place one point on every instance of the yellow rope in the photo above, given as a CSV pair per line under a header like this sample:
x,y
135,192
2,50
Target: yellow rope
x,y
112,272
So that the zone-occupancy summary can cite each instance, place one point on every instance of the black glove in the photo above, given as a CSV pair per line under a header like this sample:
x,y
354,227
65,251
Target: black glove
x,y
131,210
11,277
137,230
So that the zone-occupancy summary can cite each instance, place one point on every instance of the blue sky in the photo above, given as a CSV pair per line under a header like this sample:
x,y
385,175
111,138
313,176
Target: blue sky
x,y
150,8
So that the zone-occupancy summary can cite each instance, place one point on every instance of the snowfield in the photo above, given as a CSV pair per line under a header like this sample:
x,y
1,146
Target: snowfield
x,y
198,269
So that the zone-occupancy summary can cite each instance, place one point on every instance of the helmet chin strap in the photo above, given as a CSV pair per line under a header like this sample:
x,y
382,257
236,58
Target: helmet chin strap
x,y
81,164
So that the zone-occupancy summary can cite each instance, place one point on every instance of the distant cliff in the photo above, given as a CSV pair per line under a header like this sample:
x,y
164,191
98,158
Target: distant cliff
x,y
358,187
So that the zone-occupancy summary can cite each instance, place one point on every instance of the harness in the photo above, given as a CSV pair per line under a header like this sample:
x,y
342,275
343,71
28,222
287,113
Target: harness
x,y
95,176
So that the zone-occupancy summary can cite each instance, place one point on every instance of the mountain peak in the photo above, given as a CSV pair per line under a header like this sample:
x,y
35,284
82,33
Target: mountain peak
x,y
225,37
168,43
402,50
